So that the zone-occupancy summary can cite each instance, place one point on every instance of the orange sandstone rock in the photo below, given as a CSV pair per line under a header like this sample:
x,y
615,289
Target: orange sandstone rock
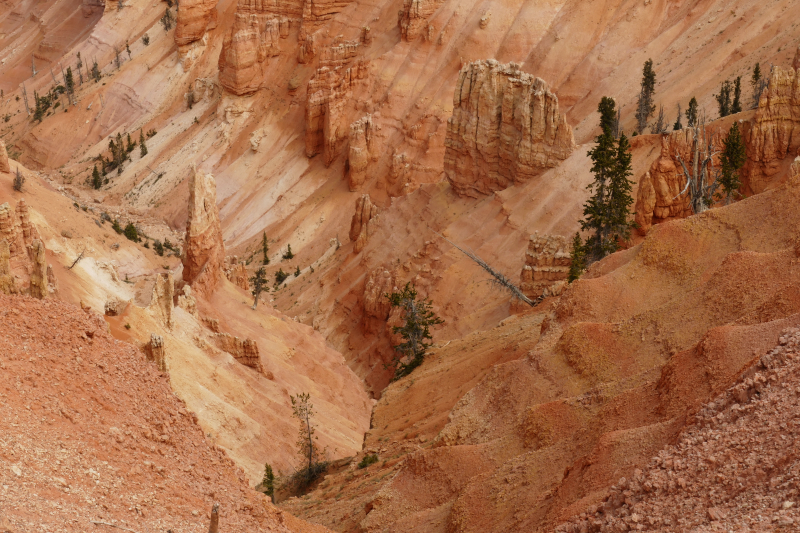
x,y
38,287
360,227
244,351
360,147
506,127
236,272
204,250
194,17
546,268
4,166
413,18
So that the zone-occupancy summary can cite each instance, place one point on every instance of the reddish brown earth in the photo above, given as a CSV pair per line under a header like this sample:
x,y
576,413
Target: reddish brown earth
x,y
91,432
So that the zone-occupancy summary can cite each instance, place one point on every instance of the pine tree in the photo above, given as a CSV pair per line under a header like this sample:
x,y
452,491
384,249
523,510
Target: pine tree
x,y
297,272
95,71
70,81
678,126
732,160
307,448
259,283
607,211
418,317
97,181
608,114
142,145
736,106
265,248
691,113
38,113
131,232
724,98
577,257
268,482
116,227
645,107
288,254
756,84
131,146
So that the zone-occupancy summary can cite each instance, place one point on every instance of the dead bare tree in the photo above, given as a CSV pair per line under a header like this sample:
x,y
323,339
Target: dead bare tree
x,y
33,65
660,125
76,260
499,278
701,178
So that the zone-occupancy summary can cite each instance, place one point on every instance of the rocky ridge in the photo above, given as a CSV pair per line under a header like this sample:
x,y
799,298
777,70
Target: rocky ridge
x,y
204,252
506,128
361,225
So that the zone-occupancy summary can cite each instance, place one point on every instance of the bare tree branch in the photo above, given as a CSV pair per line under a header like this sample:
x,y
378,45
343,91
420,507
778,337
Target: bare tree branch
x,y
76,260
499,278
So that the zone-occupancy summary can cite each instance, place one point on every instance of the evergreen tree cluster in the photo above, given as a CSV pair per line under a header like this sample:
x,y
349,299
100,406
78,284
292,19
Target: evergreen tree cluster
x,y
732,159
418,317
645,106
729,99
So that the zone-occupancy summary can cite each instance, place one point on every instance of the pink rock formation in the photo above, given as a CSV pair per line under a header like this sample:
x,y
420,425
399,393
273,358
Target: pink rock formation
x,y
194,17
161,303
360,227
155,352
254,38
547,263
204,250
236,272
244,351
8,284
317,12
17,229
775,132
659,195
38,287
360,147
4,166
413,18
506,128
329,91
380,282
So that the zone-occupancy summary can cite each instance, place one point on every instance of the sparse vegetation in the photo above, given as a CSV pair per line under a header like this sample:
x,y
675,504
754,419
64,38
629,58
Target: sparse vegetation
x,y
288,254
265,248
418,317
116,227
678,126
758,83
158,247
312,463
280,277
691,113
146,40
732,159
259,283
167,20
367,460
19,181
131,233
142,145
578,258
607,211
645,107
268,482
297,272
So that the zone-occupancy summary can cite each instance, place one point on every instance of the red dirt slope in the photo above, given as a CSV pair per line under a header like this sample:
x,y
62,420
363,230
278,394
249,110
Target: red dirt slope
x,y
90,431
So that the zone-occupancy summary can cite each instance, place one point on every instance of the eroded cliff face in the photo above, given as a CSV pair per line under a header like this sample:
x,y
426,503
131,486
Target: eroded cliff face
x,y
360,151
23,263
506,128
413,18
360,227
775,132
4,165
204,252
193,19
546,268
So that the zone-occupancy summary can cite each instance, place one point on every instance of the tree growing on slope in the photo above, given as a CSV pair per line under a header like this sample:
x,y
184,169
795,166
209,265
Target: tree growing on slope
x,y
645,108
691,113
268,482
678,126
142,145
97,181
701,180
259,283
736,105
724,98
265,248
577,257
312,464
758,83
607,211
418,317
732,159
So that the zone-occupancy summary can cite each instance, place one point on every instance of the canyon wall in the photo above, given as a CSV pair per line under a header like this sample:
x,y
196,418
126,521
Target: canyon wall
x,y
193,19
413,18
204,251
360,151
774,133
506,128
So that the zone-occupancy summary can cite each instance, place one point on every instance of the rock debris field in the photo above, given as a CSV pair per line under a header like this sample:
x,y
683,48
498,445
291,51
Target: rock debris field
x,y
91,432
736,469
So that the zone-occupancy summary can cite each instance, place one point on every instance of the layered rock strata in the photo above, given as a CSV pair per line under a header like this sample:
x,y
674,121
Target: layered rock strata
x,y
245,351
659,195
236,272
360,148
546,268
413,18
329,91
38,287
16,228
193,19
161,303
155,352
506,128
5,167
204,251
8,284
361,225
774,133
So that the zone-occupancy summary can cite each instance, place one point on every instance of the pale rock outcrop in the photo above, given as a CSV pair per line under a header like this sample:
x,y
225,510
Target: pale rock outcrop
x,y
186,301
377,308
506,128
16,228
329,92
245,351
774,133
5,167
194,18
659,195
318,12
236,272
114,307
547,263
161,303
794,174
204,251
38,287
413,18
361,225
360,148
155,352
8,284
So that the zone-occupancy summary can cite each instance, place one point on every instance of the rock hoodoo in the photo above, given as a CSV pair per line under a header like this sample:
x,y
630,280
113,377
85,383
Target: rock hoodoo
x,y
155,352
361,225
236,272
547,263
244,351
775,132
7,283
360,148
377,308
329,91
506,128
161,304
413,18
659,195
4,165
38,288
204,251
194,18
